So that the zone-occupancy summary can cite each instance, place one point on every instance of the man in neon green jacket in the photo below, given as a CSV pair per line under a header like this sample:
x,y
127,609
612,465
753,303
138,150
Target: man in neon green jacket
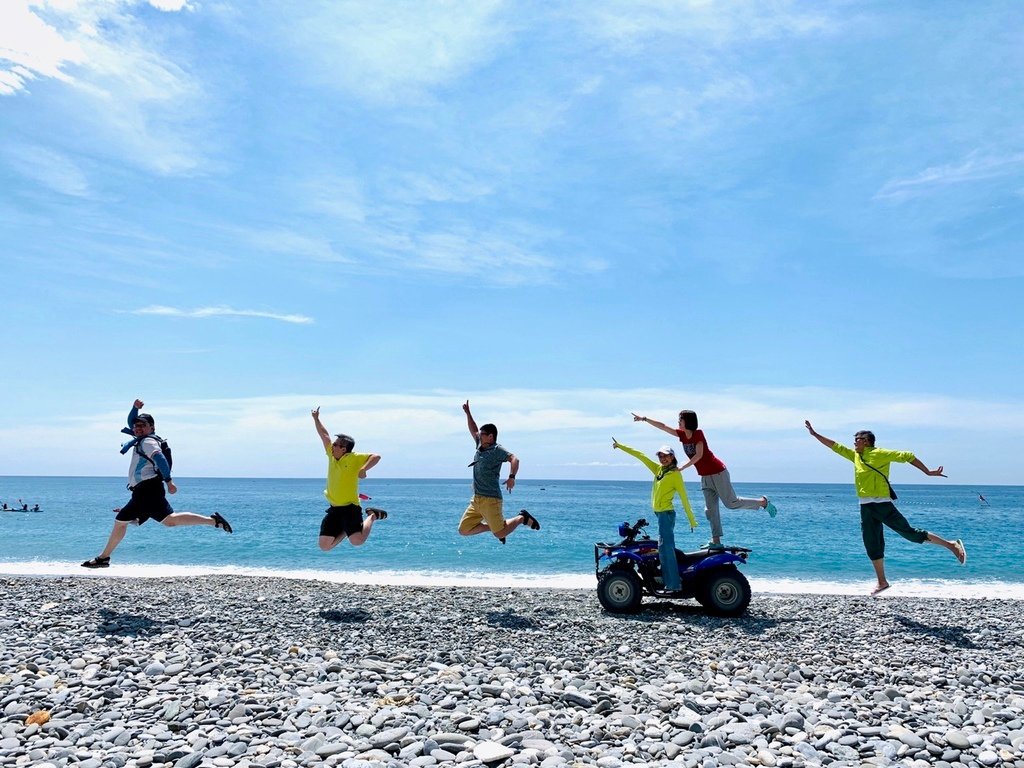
x,y
871,478
668,481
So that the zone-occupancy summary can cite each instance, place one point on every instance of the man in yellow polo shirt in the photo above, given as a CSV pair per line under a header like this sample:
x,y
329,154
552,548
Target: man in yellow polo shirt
x,y
344,518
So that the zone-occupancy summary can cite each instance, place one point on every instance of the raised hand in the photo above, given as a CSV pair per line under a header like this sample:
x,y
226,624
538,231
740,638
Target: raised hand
x,y
138,403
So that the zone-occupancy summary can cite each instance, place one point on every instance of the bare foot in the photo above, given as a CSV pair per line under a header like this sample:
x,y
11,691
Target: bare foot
x,y
960,552
880,588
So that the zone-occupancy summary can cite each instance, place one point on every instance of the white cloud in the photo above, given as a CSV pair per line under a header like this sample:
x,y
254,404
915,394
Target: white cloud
x,y
975,167
31,48
125,91
455,186
386,52
628,22
556,433
204,312
294,244
51,169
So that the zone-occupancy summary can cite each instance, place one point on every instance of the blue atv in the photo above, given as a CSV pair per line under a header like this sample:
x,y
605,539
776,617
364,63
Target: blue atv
x,y
630,569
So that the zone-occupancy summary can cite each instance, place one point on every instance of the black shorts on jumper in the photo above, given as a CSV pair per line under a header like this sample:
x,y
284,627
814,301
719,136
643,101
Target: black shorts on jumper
x,y
149,500
347,519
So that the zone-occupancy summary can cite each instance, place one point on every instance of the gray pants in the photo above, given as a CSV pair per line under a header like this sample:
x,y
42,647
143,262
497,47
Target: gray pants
x,y
717,487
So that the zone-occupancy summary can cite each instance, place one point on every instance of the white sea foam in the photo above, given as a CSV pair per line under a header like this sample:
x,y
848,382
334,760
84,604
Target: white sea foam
x,y
966,590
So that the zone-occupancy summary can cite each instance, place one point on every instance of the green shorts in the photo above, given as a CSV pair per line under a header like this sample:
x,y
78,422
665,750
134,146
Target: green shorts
x,y
873,516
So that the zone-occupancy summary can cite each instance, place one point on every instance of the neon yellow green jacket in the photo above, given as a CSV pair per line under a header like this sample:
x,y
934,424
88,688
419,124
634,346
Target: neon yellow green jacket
x,y
667,483
869,483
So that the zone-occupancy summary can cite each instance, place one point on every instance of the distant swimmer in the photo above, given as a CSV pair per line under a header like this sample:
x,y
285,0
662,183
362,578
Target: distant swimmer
x,y
344,516
148,472
871,478
484,512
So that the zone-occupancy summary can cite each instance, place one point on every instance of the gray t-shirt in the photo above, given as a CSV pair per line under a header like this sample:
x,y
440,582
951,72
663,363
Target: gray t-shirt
x,y
486,467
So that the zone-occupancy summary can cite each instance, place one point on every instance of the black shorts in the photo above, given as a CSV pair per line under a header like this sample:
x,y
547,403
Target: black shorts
x,y
338,520
149,500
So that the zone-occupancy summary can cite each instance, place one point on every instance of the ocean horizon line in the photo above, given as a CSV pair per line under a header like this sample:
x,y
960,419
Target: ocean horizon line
x,y
641,481
906,588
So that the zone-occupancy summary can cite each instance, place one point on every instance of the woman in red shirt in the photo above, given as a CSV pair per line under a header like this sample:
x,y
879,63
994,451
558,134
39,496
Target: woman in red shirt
x,y
714,477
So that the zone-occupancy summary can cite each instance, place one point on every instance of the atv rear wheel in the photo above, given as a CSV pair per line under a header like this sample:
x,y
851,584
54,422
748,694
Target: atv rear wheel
x,y
725,592
619,591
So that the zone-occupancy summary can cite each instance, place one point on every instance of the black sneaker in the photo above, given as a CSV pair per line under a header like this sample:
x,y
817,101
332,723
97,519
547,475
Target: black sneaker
x,y
97,562
380,514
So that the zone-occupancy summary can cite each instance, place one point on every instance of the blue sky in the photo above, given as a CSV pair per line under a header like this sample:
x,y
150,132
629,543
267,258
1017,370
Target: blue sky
x,y
564,212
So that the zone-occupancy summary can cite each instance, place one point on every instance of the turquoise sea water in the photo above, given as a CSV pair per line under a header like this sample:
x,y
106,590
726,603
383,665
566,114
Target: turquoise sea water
x,y
814,541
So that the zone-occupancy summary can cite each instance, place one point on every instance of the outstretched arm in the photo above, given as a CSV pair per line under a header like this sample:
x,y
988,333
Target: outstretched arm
x,y
930,472
826,441
651,465
653,423
321,430
470,423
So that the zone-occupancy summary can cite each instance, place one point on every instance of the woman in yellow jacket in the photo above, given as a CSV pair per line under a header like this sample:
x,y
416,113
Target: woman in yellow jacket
x,y
668,481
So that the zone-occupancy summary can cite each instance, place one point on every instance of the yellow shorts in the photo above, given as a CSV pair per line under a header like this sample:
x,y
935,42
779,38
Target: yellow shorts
x,y
482,509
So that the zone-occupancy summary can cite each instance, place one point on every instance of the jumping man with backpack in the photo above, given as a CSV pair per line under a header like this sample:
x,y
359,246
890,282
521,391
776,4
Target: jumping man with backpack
x,y
149,470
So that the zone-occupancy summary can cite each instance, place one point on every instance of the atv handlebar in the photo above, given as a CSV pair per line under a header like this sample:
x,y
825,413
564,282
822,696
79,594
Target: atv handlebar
x,y
631,531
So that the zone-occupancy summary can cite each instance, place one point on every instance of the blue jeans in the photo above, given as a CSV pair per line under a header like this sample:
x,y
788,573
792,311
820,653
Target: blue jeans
x,y
667,549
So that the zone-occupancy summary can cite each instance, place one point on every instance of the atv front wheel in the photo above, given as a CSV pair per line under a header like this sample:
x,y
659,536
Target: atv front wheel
x,y
619,591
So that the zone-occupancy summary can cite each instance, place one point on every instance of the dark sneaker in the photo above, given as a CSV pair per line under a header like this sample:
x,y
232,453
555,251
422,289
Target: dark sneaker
x,y
714,545
380,514
97,562
220,522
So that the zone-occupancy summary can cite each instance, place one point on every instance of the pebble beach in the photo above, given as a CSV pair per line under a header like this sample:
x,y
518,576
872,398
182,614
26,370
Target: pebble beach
x,y
246,671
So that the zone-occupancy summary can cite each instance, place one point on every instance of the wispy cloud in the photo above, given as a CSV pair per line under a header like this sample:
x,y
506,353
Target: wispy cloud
x,y
290,243
52,169
128,93
395,51
31,48
756,431
204,312
976,167
627,22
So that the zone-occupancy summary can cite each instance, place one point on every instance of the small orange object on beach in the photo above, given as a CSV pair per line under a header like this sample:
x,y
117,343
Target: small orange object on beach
x,y
38,718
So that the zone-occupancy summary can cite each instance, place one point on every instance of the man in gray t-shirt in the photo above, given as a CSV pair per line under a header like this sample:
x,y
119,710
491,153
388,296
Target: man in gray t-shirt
x,y
484,512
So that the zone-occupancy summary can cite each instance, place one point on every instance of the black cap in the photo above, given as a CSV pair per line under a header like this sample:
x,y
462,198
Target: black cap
x,y
146,418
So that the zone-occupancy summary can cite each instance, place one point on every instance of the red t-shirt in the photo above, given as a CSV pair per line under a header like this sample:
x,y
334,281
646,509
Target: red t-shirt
x,y
709,464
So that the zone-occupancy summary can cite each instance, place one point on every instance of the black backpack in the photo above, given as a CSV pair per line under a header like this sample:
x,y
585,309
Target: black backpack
x,y
165,449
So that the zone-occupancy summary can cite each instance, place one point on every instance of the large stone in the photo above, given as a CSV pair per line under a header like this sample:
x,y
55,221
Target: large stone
x,y
492,752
